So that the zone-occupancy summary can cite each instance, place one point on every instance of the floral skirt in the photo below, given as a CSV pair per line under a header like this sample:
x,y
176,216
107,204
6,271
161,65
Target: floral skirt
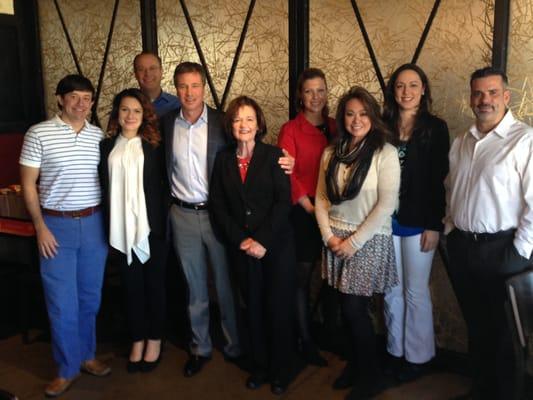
x,y
372,269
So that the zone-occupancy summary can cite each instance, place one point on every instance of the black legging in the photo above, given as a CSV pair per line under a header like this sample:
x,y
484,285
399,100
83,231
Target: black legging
x,y
363,339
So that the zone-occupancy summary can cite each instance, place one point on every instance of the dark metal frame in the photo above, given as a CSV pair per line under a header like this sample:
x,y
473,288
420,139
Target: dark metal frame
x,y
500,39
425,33
368,45
149,26
298,47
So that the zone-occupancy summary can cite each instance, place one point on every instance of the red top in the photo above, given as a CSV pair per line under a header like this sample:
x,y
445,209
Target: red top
x,y
305,143
243,164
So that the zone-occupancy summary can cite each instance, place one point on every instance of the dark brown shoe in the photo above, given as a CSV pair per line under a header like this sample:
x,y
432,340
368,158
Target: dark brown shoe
x,y
58,386
95,367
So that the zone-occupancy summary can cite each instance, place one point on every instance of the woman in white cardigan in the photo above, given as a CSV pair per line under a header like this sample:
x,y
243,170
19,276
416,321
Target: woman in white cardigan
x,y
356,195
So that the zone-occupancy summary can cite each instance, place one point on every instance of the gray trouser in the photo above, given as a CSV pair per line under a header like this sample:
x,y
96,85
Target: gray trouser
x,y
194,241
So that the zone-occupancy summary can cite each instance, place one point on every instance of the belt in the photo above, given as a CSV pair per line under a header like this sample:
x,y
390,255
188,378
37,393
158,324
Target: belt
x,y
72,214
486,237
190,206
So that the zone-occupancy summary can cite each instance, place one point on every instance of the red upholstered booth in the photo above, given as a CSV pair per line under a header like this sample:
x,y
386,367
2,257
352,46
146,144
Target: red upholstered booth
x,y
10,145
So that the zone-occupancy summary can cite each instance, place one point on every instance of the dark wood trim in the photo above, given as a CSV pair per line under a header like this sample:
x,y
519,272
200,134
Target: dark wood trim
x,y
298,47
425,33
500,40
237,53
200,54
368,44
149,26
69,40
94,119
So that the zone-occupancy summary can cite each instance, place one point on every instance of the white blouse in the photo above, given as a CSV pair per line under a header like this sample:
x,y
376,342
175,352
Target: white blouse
x,y
128,228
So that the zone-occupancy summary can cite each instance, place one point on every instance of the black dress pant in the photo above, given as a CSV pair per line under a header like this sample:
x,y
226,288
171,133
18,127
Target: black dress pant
x,y
478,269
144,291
268,287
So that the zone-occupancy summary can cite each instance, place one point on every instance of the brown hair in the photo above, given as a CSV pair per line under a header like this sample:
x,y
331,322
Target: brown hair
x,y
233,108
149,127
188,67
307,74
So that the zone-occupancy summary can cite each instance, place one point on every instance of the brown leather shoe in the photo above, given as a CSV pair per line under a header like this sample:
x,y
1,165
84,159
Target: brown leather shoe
x,y
95,367
58,386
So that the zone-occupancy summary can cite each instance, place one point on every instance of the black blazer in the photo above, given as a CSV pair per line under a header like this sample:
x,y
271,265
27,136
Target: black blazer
x,y
422,193
216,139
259,207
154,182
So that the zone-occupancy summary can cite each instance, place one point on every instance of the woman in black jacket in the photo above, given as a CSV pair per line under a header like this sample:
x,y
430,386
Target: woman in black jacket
x,y
422,141
132,175
249,202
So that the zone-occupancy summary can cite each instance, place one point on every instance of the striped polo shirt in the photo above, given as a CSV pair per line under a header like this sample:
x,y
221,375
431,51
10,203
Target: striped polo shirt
x,y
68,176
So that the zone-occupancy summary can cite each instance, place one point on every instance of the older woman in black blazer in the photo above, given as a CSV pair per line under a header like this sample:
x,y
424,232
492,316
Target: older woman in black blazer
x,y
249,201
132,175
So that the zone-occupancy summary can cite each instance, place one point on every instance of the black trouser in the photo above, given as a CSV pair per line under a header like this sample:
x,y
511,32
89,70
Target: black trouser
x,y
268,287
478,268
144,291
363,355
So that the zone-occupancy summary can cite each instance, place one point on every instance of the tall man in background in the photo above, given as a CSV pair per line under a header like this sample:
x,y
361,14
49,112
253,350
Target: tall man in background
x,y
149,72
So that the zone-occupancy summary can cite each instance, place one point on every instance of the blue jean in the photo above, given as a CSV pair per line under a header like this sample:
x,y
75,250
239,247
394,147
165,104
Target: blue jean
x,y
72,283
194,241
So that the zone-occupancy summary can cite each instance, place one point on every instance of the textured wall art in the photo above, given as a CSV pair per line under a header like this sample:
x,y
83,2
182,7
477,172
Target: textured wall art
x,y
520,60
459,41
88,26
262,70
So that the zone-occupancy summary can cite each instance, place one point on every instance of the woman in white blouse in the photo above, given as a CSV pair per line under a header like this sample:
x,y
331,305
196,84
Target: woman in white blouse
x,y
357,191
132,176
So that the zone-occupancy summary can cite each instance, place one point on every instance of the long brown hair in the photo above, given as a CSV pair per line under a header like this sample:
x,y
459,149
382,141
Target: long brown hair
x,y
149,127
360,158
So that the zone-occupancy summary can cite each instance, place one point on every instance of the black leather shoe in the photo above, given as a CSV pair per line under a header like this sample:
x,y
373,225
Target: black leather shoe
x,y
278,387
133,366
410,372
194,365
256,380
345,379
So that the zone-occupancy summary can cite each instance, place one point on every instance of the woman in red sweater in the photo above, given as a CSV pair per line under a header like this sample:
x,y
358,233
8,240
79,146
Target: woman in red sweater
x,y
305,137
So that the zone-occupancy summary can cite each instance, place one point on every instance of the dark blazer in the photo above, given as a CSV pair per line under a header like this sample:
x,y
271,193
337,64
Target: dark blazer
x,y
154,182
216,139
259,207
422,193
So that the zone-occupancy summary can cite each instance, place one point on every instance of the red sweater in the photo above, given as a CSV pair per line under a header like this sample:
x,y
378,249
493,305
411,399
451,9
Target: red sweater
x,y
305,143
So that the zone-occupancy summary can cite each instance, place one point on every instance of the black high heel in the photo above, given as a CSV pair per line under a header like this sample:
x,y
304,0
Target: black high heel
x,y
134,366
149,366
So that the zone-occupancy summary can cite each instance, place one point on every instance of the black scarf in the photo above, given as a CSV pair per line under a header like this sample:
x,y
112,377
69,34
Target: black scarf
x,y
357,160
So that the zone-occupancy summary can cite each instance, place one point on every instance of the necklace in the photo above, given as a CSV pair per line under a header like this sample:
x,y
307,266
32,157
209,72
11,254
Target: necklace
x,y
243,163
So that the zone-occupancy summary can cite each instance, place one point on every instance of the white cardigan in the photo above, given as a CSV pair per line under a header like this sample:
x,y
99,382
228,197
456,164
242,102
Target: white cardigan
x,y
369,213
